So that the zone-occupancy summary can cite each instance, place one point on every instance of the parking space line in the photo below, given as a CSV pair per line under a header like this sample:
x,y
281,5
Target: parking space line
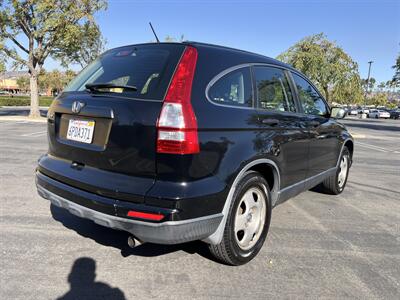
x,y
373,147
33,134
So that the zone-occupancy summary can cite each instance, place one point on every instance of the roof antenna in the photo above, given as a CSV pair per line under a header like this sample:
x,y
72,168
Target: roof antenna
x,y
151,26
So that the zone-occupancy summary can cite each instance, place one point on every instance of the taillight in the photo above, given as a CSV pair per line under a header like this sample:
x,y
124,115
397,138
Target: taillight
x,y
177,125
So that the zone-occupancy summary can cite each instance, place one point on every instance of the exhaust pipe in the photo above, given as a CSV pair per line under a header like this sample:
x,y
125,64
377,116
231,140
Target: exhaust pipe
x,y
133,242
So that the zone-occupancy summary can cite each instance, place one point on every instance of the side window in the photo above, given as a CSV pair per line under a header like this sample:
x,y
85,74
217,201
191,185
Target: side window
x,y
310,100
233,88
273,91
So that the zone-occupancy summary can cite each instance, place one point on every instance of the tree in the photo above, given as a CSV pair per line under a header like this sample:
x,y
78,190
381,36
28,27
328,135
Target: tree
x,y
55,81
371,84
378,99
171,39
49,28
381,86
2,56
396,67
23,83
389,84
2,65
348,91
90,44
327,65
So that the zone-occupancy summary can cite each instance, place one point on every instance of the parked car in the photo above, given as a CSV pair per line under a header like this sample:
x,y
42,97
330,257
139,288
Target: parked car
x,y
353,112
394,113
363,111
378,113
175,142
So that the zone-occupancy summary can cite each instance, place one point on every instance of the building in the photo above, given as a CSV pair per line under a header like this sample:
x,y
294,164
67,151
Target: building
x,y
8,81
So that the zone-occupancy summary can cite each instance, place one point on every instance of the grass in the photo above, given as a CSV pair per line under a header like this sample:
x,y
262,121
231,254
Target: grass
x,y
24,100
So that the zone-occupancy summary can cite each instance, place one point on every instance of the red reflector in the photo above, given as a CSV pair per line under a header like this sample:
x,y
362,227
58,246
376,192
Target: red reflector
x,y
143,215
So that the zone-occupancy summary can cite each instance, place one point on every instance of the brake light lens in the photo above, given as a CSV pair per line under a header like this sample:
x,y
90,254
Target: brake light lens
x,y
177,124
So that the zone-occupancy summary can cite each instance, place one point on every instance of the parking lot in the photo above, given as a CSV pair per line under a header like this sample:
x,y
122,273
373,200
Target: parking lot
x,y
319,246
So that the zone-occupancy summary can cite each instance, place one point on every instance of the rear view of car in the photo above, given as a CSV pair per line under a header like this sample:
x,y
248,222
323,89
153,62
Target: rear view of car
x,y
353,112
108,133
378,113
395,114
175,142
384,114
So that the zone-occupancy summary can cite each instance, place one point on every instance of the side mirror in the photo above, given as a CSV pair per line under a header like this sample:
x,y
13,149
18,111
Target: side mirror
x,y
337,113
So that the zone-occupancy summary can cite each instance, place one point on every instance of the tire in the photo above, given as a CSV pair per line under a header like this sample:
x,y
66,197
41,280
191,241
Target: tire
x,y
376,117
240,246
336,183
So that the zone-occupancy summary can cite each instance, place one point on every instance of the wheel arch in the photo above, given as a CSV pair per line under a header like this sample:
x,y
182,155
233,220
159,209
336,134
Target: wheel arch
x,y
269,170
350,145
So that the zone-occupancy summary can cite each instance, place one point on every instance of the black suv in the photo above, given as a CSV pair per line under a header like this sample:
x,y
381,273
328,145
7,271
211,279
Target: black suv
x,y
175,142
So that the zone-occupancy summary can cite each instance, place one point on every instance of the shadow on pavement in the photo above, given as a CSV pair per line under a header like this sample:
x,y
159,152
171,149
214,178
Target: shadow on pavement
x,y
83,285
118,239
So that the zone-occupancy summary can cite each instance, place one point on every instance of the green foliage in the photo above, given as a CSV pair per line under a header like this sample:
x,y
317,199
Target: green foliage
x,y
327,65
81,45
23,83
2,56
348,91
50,27
378,99
371,84
55,80
23,101
381,86
43,28
396,67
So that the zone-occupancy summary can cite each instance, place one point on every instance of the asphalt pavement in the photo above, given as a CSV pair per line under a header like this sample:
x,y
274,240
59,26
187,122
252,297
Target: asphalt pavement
x,y
319,246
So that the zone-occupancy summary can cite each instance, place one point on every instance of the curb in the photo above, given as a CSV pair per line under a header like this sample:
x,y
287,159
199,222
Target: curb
x,y
22,118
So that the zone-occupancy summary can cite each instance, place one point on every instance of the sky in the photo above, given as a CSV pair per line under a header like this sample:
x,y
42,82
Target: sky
x,y
367,30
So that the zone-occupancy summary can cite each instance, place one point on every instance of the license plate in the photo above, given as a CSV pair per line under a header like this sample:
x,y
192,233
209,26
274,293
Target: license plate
x,y
80,131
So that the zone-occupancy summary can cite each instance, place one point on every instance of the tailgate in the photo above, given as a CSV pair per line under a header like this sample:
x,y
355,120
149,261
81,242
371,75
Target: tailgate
x,y
107,136
123,139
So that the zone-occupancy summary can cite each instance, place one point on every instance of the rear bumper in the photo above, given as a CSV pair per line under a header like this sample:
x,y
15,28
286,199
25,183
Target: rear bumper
x,y
104,211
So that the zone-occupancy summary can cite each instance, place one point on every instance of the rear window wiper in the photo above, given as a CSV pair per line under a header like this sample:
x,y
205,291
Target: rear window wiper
x,y
97,87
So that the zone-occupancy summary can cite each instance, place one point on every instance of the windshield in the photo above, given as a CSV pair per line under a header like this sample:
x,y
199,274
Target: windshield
x,y
148,68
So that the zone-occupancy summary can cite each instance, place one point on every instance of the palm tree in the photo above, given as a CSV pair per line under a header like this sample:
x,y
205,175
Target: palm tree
x,y
381,86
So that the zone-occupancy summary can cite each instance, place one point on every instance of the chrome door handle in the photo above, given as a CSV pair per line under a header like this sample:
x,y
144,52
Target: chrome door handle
x,y
271,122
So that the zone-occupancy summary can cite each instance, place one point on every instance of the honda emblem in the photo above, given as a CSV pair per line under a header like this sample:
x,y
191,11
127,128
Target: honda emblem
x,y
77,106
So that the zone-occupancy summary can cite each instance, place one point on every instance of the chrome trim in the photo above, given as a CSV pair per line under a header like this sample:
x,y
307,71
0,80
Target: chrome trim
x,y
77,106
231,69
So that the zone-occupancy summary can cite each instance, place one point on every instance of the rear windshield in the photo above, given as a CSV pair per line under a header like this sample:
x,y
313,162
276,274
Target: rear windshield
x,y
149,68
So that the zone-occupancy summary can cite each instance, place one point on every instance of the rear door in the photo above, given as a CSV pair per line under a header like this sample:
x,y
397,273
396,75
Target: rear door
x,y
323,131
114,129
284,133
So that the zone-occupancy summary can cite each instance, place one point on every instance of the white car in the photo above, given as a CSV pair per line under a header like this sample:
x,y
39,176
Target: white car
x,y
377,113
353,112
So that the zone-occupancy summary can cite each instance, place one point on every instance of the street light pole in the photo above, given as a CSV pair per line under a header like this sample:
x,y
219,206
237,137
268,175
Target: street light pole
x,y
366,89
